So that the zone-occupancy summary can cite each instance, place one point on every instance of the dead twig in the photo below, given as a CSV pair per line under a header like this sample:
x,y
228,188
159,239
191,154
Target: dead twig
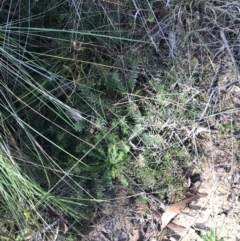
x,y
211,91
214,79
230,53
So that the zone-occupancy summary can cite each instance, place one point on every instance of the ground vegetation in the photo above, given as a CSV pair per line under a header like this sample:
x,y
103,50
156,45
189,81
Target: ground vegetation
x,y
113,104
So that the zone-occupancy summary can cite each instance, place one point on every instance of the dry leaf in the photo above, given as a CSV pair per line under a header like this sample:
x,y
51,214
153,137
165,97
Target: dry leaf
x,y
176,228
92,125
179,229
176,208
135,236
120,235
189,182
156,215
62,226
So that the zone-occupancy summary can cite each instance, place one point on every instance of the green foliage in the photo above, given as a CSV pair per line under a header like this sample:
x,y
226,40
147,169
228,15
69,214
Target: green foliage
x,y
211,236
117,153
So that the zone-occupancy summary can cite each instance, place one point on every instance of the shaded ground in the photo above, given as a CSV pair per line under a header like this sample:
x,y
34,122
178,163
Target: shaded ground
x,y
139,218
